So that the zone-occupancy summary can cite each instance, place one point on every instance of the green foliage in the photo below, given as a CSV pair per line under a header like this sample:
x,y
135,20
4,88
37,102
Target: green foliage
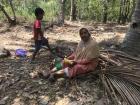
x,y
25,9
86,9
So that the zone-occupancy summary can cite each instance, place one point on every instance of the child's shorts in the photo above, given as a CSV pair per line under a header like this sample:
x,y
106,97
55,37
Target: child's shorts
x,y
40,43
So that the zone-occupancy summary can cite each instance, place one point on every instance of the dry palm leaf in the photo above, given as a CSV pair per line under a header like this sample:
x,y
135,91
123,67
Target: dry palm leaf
x,y
122,83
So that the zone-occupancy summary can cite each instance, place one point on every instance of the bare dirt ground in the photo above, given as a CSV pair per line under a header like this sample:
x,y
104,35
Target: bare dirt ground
x,y
17,87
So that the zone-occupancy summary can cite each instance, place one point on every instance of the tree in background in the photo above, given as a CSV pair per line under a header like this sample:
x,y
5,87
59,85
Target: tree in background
x,y
131,43
124,11
132,8
12,7
82,10
73,10
105,10
61,14
10,20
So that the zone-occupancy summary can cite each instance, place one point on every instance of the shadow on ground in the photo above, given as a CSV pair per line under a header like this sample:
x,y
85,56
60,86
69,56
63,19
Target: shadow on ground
x,y
18,86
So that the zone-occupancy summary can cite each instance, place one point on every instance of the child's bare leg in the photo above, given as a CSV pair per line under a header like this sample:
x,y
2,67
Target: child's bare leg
x,y
34,55
59,74
37,48
46,43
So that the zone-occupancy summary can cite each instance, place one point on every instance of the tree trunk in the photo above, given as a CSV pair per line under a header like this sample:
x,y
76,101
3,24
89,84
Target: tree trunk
x,y
61,15
105,11
11,4
73,11
120,12
12,22
132,11
131,43
124,11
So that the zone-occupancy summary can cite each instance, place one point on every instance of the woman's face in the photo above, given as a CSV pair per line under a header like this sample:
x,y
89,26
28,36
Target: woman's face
x,y
84,36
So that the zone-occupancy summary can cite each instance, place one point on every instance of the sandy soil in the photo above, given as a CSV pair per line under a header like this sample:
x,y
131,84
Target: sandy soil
x,y
17,85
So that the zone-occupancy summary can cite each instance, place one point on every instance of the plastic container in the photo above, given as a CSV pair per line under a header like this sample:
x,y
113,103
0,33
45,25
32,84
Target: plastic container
x,y
58,64
21,53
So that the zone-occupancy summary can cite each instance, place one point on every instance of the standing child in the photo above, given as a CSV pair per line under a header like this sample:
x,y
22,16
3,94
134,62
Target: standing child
x,y
38,29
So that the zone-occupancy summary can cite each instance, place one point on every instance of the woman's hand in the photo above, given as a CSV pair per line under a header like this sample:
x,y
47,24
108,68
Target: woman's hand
x,y
69,62
73,63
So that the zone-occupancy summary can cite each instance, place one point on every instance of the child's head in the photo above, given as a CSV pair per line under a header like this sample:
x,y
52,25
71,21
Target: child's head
x,y
39,12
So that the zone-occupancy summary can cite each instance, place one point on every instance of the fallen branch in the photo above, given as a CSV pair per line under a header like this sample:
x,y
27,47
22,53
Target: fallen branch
x,y
121,54
109,60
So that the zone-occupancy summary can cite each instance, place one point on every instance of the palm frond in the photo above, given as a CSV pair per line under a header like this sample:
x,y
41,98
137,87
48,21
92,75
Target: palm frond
x,y
122,83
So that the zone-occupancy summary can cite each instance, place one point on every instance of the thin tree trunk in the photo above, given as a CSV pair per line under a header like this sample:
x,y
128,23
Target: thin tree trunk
x,y
11,4
126,11
7,16
73,11
133,9
105,13
61,16
131,43
120,12
11,21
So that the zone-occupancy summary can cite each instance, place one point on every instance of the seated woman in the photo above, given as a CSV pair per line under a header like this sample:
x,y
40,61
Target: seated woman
x,y
83,60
